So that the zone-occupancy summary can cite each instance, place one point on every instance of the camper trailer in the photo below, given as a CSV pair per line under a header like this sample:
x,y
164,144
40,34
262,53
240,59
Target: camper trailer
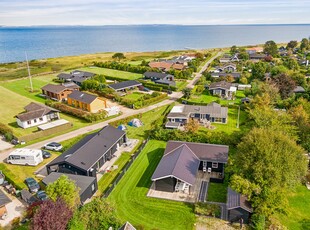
x,y
25,157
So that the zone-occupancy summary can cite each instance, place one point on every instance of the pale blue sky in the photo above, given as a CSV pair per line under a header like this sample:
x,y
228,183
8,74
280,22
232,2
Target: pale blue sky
x,y
123,12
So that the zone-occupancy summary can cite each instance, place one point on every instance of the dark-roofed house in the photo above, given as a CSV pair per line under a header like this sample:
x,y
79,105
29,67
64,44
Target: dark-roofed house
x,y
160,78
222,88
127,226
4,200
59,92
125,85
180,114
88,185
299,89
89,154
228,67
76,76
238,207
178,168
86,101
257,57
235,75
36,114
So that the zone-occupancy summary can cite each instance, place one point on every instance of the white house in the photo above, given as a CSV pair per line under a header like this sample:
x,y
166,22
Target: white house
x,y
36,114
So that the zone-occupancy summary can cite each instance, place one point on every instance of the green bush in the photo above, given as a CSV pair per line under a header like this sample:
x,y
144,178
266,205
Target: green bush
x,y
125,67
6,131
258,222
11,178
206,209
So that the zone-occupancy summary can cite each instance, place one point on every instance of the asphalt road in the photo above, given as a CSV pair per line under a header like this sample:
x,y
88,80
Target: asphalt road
x,y
172,97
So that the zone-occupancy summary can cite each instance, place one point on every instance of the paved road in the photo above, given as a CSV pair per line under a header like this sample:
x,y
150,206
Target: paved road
x,y
173,97
198,75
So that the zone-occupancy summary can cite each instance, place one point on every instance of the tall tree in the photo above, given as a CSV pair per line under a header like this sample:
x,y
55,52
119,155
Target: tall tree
x,y
304,45
98,214
268,163
118,56
258,71
292,44
192,126
187,92
271,48
285,84
51,215
233,49
65,189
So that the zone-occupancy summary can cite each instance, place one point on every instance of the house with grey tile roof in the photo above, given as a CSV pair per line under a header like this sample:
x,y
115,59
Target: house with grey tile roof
x,y
178,168
88,155
76,76
160,78
223,89
238,207
125,85
181,114
36,114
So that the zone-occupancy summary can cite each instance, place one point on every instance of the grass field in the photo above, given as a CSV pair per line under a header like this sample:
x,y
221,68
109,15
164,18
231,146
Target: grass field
x,y
148,119
113,73
205,97
298,216
134,206
181,85
133,96
217,192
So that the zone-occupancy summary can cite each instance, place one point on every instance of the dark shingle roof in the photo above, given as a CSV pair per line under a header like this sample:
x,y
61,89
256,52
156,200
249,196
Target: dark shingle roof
x,y
234,74
221,84
34,111
155,75
4,199
180,163
64,76
236,200
76,75
82,182
53,88
82,96
210,152
125,84
91,148
299,89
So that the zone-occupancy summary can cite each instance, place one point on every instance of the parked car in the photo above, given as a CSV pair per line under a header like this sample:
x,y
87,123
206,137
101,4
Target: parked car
x,y
42,195
46,154
32,184
53,146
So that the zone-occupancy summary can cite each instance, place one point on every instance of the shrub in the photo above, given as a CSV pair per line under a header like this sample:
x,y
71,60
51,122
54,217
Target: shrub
x,y
258,222
207,209
6,131
11,178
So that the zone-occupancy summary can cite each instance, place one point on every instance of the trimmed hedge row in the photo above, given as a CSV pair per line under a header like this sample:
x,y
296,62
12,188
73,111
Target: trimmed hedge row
x,y
90,117
151,85
11,178
6,131
125,67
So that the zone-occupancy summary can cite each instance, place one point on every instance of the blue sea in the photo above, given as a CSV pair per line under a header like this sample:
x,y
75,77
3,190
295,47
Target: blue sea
x,y
45,42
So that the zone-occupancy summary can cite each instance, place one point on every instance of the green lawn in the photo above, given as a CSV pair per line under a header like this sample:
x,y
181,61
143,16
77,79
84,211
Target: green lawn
x,y
113,73
217,192
22,86
133,96
298,216
231,125
148,119
205,97
181,84
134,206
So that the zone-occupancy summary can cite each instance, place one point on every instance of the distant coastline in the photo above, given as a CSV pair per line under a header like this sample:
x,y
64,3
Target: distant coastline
x,y
55,41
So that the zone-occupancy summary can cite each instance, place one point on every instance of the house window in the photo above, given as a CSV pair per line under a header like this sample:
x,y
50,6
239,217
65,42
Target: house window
x,y
35,120
215,165
41,119
29,122
93,188
218,119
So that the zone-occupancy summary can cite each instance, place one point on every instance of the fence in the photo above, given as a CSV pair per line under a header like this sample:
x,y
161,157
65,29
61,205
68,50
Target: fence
x,y
125,169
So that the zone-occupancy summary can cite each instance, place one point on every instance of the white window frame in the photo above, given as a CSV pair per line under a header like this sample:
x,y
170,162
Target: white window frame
x,y
215,165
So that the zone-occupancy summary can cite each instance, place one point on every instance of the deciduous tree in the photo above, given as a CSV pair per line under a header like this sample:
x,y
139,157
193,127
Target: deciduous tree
x,y
118,56
65,189
291,45
304,45
98,214
192,126
271,48
51,215
285,84
269,162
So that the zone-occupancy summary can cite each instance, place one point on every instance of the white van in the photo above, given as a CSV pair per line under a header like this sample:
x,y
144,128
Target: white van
x,y
25,157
